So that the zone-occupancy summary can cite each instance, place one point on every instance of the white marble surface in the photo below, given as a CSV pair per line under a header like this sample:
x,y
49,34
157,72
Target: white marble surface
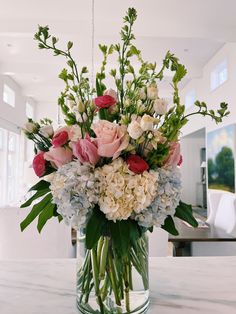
x,y
185,285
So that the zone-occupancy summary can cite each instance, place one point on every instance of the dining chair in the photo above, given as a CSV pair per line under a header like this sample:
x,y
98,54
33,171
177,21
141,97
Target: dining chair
x,y
53,242
225,217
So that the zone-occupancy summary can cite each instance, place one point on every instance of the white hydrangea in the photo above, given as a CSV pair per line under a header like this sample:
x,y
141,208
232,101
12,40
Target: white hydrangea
x,y
122,192
166,200
75,192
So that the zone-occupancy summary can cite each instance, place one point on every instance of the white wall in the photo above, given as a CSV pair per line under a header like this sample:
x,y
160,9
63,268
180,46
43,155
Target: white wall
x,y
14,115
190,169
225,92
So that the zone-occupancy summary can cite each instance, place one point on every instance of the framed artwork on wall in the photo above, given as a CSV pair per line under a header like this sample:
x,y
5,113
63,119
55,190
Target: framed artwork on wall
x,y
221,158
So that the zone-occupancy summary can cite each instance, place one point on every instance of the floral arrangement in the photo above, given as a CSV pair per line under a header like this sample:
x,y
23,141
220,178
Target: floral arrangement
x,y
114,168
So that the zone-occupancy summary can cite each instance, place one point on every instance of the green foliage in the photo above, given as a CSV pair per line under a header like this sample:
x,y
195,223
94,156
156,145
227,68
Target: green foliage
x,y
123,233
185,212
46,214
95,227
38,194
169,226
156,156
36,210
39,186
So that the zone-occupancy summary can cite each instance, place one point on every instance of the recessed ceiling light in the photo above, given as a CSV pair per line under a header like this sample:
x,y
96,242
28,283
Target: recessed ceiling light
x,y
9,73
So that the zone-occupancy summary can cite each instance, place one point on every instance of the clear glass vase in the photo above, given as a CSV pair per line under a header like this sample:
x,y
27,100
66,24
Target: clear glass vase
x,y
108,283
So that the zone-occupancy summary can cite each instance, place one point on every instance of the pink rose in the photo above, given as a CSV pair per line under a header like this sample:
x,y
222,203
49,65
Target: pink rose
x,y
58,156
111,138
39,164
60,139
173,157
104,101
85,150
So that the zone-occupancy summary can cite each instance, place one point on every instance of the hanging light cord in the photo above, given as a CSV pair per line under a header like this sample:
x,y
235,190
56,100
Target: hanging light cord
x,y
92,43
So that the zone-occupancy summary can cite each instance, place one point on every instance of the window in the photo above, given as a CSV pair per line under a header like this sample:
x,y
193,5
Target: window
x,y
219,75
8,95
190,98
9,161
29,111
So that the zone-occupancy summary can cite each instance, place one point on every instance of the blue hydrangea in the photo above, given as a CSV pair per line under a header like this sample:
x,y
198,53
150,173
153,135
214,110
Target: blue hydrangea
x,y
166,200
74,190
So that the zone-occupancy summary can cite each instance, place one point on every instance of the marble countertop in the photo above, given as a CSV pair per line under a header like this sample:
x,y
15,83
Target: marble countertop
x,y
185,285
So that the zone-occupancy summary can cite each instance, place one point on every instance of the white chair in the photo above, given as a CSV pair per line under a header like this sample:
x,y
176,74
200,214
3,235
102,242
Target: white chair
x,y
225,217
53,242
214,197
222,216
158,243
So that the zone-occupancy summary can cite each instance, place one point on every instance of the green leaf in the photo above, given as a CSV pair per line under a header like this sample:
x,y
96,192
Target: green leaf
x,y
169,226
34,197
36,210
94,228
46,214
41,185
120,234
185,212
98,88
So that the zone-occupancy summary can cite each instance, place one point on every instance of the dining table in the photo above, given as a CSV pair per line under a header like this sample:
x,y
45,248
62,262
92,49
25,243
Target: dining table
x,y
178,285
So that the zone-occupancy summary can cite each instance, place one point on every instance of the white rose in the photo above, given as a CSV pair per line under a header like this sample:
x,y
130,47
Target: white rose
x,y
142,93
111,92
30,127
160,106
152,91
46,131
147,122
134,129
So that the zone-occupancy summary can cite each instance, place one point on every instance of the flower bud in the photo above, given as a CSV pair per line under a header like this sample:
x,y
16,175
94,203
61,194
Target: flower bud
x,y
81,107
142,93
152,91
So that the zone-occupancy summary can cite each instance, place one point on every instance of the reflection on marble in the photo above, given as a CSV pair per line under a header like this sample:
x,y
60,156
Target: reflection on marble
x,y
185,285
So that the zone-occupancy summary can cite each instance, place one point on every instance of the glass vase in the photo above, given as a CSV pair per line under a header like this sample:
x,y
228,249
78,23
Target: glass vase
x,y
108,283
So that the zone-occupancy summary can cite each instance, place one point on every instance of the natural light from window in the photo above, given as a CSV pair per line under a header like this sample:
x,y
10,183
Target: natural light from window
x,y
9,160
8,95
219,75
29,111
190,98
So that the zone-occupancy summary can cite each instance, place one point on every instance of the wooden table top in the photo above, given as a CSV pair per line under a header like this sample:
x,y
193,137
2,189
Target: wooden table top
x,y
200,234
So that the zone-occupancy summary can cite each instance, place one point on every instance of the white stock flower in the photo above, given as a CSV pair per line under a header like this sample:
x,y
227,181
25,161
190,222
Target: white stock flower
x,y
147,123
160,106
46,131
30,127
121,192
152,91
134,129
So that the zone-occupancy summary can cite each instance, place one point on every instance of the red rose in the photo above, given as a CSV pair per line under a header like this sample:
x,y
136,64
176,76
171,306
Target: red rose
x,y
60,139
136,164
180,161
39,164
104,101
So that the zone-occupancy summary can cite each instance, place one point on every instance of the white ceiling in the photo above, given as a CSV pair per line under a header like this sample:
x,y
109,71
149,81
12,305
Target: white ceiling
x,y
192,29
